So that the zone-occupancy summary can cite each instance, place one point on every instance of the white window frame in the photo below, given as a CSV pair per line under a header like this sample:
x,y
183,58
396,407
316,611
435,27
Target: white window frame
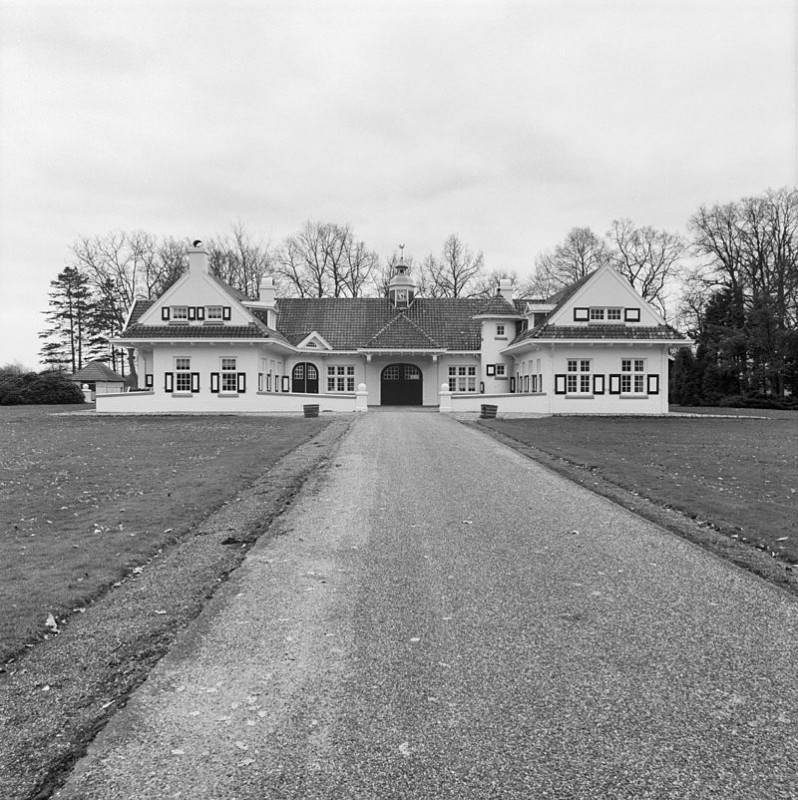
x,y
633,376
578,376
180,313
463,378
228,375
500,329
182,383
210,313
341,378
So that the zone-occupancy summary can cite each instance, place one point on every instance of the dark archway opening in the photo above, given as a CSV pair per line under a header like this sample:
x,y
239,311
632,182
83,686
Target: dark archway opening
x,y
401,385
305,378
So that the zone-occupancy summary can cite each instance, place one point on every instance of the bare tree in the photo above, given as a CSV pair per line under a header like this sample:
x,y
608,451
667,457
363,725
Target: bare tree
x,y
649,258
455,273
577,255
240,260
325,260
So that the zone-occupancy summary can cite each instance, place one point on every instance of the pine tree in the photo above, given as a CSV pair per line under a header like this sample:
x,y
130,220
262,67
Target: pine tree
x,y
71,321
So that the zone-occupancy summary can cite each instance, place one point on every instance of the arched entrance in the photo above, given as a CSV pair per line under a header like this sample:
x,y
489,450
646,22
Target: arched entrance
x,y
401,385
305,378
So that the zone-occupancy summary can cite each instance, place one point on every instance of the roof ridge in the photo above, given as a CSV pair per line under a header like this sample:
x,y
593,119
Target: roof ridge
x,y
402,316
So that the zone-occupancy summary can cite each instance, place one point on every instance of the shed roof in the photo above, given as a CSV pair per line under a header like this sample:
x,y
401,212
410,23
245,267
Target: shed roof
x,y
97,371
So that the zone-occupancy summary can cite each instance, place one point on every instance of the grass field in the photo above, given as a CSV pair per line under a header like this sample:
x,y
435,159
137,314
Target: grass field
x,y
739,475
85,499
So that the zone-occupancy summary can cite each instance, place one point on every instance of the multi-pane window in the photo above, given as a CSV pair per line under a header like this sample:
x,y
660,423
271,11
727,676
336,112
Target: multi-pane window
x,y
633,376
577,381
229,378
341,379
462,379
500,330
180,313
603,314
182,374
500,371
213,312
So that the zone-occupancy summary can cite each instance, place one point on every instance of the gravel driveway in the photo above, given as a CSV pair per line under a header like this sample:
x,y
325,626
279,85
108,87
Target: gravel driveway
x,y
443,618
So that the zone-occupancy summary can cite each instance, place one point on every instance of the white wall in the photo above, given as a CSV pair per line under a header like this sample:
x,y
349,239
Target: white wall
x,y
249,403
491,347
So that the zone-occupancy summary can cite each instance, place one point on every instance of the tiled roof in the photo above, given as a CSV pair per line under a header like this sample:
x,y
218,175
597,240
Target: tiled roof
x,y
352,323
139,307
660,332
97,371
498,306
252,331
402,332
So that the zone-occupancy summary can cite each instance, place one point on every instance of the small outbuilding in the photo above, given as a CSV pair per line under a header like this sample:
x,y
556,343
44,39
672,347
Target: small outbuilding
x,y
100,378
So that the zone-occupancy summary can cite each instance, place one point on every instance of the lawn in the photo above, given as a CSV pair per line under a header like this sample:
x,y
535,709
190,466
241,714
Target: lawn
x,y
85,499
739,475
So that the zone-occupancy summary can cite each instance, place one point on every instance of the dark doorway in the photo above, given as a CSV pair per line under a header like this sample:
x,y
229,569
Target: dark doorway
x,y
401,385
305,378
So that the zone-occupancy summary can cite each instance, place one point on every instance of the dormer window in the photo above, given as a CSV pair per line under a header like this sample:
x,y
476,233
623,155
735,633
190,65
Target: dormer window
x,y
180,313
213,312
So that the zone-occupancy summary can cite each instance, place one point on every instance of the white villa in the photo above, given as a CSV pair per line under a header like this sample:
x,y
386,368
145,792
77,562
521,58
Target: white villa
x,y
596,347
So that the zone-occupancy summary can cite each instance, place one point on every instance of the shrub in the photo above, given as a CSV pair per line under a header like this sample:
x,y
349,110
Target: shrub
x,y
758,401
48,388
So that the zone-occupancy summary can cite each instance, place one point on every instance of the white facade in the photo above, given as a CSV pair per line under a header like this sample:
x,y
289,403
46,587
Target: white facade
x,y
202,348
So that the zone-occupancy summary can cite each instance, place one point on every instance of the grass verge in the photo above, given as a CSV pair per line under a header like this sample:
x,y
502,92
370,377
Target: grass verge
x,y
55,697
87,499
729,484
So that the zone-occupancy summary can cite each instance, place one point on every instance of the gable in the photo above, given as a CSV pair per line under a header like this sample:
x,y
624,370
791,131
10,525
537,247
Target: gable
x,y
314,341
604,297
402,333
197,298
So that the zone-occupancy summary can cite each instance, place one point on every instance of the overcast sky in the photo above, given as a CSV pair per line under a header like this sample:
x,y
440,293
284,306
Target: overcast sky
x,y
506,122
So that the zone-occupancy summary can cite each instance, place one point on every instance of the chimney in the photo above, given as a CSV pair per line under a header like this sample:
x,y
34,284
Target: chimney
x,y
198,258
506,288
267,294
267,298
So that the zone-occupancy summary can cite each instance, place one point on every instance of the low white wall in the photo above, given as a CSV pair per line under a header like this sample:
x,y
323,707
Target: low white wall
x,y
506,403
251,403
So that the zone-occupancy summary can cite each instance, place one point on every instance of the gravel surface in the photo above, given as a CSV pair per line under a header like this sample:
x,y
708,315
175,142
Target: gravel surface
x,y
443,618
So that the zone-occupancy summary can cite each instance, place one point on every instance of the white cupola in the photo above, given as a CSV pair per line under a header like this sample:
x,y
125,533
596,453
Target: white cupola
x,y
401,287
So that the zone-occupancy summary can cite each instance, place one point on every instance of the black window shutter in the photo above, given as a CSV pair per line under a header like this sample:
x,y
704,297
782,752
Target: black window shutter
x,y
615,384
242,382
559,384
581,314
192,313
215,382
148,380
226,311
165,313
168,381
200,313
598,384
195,381
653,384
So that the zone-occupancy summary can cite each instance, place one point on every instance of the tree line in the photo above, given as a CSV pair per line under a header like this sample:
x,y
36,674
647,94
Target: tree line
x,y
732,284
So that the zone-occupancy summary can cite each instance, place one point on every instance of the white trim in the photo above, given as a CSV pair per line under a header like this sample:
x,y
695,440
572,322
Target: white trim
x,y
314,336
